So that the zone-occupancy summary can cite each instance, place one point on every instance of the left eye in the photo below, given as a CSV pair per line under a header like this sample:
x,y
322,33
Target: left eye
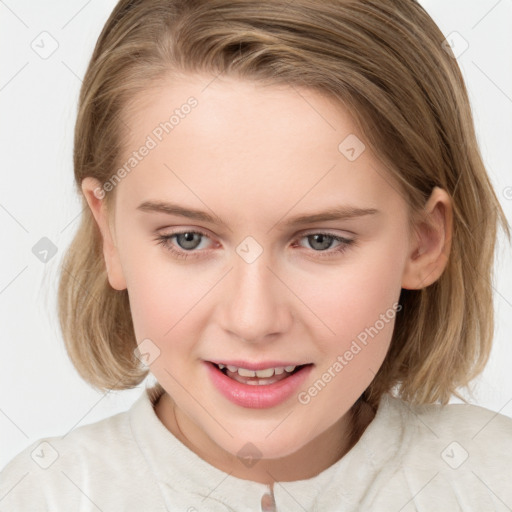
x,y
188,241
321,239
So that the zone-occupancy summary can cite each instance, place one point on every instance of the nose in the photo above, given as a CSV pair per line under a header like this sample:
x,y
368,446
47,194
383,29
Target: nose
x,y
255,303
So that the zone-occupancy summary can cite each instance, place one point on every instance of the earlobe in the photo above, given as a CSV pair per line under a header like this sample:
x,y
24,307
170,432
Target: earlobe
x,y
90,188
430,247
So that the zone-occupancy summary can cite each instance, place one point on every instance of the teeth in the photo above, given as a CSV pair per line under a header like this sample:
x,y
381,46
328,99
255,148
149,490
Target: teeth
x,y
262,374
246,373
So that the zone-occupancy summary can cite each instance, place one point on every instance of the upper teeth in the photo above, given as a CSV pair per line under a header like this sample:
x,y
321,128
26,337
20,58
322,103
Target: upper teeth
x,y
268,372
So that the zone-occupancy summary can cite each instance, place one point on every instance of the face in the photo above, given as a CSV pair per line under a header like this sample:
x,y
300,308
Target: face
x,y
244,283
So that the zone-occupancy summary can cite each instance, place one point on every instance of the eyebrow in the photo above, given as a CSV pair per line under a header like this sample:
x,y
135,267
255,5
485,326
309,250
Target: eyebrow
x,y
335,213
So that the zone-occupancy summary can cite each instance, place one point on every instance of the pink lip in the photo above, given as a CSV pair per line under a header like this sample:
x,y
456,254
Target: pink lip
x,y
257,366
257,397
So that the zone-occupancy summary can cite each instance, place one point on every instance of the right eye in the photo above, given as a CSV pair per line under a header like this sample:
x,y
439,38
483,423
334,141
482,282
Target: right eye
x,y
186,239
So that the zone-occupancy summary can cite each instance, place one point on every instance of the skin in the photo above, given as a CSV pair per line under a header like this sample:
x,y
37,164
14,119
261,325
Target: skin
x,y
256,156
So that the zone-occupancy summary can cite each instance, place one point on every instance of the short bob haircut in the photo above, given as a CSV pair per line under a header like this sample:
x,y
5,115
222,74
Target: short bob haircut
x,y
385,61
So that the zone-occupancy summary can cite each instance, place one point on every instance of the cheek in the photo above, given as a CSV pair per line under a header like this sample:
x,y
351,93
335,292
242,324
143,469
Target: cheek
x,y
357,302
165,298
160,302
162,308
156,288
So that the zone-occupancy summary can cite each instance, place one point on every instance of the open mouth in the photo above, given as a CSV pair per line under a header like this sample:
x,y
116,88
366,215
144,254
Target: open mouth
x,y
267,387
259,377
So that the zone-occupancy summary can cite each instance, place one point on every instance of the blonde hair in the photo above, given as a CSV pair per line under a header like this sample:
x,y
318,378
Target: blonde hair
x,y
384,60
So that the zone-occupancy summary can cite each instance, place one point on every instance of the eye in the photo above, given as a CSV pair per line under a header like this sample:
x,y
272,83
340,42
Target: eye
x,y
188,241
321,242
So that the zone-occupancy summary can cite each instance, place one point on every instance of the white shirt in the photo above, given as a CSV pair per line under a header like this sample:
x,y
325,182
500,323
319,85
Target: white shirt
x,y
422,458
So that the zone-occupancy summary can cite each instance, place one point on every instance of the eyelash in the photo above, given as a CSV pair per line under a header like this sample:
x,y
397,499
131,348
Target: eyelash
x,y
165,239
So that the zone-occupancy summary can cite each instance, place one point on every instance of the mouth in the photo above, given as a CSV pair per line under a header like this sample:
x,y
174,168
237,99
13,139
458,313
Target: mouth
x,y
262,385
260,377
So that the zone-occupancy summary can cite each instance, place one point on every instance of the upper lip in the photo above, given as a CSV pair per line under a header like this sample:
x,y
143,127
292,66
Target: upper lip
x,y
262,365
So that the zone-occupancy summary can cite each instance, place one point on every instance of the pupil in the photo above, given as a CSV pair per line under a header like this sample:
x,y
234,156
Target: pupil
x,y
186,239
321,240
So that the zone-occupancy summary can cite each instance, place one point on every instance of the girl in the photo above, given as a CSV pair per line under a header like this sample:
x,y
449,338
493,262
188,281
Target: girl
x,y
289,225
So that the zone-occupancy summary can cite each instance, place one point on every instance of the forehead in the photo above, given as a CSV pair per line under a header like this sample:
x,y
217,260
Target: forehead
x,y
249,142
238,108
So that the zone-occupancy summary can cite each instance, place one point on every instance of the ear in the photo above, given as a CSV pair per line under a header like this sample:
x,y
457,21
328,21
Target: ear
x,y
431,242
94,195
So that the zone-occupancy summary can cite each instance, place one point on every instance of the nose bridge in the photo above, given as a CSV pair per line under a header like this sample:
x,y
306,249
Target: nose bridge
x,y
254,303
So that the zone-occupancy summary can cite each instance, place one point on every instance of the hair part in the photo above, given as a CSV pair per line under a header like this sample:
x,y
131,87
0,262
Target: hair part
x,y
382,60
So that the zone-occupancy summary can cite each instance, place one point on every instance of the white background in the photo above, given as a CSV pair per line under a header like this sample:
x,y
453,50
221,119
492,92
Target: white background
x,y
41,393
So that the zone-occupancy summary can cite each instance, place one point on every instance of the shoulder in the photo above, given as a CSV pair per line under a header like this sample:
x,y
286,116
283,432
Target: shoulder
x,y
457,452
476,430
92,442
57,471
483,430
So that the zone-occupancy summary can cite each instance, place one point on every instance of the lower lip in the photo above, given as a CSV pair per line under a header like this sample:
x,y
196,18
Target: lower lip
x,y
257,397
